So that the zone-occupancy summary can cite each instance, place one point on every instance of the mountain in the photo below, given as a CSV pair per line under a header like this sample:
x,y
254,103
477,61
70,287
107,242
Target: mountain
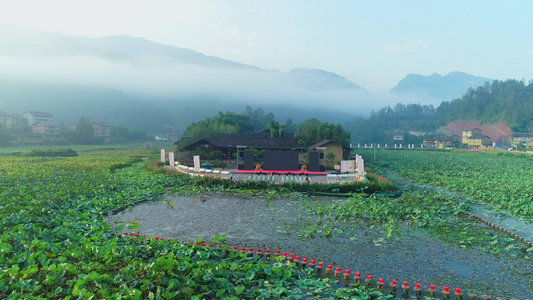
x,y
317,79
162,86
447,87
26,43
142,48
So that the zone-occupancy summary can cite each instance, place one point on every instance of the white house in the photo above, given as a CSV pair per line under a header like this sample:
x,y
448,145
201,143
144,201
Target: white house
x,y
37,116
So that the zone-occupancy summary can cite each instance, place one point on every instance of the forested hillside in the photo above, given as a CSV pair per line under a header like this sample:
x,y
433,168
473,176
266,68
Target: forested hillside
x,y
509,102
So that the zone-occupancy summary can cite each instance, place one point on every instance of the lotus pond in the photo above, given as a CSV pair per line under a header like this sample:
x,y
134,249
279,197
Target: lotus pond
x,y
341,232
56,243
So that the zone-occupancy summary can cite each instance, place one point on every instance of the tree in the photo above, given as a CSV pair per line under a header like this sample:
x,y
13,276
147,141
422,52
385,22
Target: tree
x,y
330,158
259,119
307,131
289,125
223,123
276,130
312,131
84,134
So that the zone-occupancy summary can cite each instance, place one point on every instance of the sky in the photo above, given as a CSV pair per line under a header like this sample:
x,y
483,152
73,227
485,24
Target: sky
x,y
372,43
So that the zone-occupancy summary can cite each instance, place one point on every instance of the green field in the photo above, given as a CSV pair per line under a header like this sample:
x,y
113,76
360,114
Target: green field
x,y
501,179
55,242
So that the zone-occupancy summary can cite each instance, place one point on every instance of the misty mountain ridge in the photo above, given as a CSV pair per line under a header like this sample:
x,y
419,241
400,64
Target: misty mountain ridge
x,y
143,48
21,42
317,79
448,87
121,79
314,79
71,75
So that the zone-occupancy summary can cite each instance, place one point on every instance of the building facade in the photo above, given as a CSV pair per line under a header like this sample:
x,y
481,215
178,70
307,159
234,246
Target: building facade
x,y
102,129
473,139
522,140
37,116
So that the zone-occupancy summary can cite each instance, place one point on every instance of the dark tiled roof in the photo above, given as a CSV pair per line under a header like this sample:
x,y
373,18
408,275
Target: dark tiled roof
x,y
254,141
325,142
248,140
320,144
478,136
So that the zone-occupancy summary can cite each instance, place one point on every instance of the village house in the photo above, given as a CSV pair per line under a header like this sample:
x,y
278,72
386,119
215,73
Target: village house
x,y
522,139
440,142
37,116
233,146
429,143
102,129
42,125
326,146
473,139
48,130
12,122
398,135
229,144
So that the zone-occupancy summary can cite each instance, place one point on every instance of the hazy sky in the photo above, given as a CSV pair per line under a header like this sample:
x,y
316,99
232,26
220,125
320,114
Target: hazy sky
x,y
372,43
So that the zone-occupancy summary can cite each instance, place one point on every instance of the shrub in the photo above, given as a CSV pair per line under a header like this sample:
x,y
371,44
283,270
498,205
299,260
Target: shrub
x,y
53,153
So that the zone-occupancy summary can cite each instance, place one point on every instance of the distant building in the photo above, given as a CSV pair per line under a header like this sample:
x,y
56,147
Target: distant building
x,y
398,135
48,130
468,133
102,129
475,140
12,122
429,143
160,138
522,139
441,142
456,138
37,116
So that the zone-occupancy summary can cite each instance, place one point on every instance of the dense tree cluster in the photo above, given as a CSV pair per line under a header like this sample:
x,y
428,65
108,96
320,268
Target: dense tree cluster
x,y
258,117
312,131
222,123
